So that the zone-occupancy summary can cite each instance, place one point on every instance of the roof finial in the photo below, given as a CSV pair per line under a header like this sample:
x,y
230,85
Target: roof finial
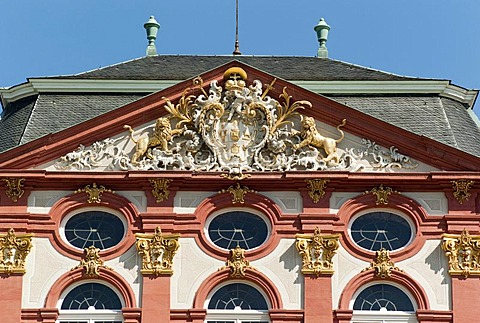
x,y
237,49
322,34
151,26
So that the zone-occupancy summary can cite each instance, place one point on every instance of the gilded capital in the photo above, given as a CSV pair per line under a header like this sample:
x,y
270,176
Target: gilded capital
x,y
463,253
157,251
317,252
14,248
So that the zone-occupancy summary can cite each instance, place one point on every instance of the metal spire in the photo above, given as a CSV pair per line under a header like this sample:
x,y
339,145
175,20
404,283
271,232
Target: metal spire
x,y
237,49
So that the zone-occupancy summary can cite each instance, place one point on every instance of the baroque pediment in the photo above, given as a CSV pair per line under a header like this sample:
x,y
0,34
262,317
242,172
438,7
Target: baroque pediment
x,y
236,127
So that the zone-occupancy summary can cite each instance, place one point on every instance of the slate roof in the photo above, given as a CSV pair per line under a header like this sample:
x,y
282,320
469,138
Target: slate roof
x,y
441,119
172,67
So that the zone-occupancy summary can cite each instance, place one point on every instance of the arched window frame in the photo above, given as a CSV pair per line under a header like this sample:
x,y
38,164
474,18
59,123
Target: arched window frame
x,y
237,315
90,315
360,316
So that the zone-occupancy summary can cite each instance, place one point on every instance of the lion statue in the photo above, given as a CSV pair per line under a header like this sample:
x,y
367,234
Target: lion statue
x,y
162,134
311,137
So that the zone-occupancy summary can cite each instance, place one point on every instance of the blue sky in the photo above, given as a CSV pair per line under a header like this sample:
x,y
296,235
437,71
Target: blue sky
x,y
424,38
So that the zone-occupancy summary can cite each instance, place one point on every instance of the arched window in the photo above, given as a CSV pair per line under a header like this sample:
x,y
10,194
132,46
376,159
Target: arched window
x,y
237,303
91,303
383,303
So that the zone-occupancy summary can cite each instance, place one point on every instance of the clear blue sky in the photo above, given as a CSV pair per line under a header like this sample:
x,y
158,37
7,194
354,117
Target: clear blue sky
x,y
424,38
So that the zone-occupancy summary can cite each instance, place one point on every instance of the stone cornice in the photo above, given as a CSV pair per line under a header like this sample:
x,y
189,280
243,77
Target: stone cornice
x,y
440,87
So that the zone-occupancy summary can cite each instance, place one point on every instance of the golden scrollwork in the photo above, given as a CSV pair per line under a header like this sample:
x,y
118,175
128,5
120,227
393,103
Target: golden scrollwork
x,y
92,262
382,265
235,176
94,193
157,252
317,188
381,194
238,193
237,263
317,252
13,251
160,188
463,253
14,188
461,189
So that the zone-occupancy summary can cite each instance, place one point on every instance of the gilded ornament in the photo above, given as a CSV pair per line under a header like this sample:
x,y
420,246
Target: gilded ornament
x,y
381,194
14,188
92,262
311,137
382,265
463,253
160,188
94,193
237,263
13,251
238,193
461,189
317,252
157,251
317,188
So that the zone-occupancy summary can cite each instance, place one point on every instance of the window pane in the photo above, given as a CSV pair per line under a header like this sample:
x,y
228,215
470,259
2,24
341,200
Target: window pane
x,y
91,295
377,230
238,295
240,228
100,229
383,296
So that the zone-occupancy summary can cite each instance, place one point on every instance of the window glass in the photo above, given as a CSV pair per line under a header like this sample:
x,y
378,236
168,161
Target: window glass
x,y
376,230
100,229
241,228
237,296
91,296
383,297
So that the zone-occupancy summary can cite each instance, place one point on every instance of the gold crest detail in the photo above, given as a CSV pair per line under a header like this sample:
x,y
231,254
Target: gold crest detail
x,y
13,251
237,263
92,262
383,265
94,193
14,188
317,188
463,253
238,193
461,189
317,252
381,194
160,188
157,252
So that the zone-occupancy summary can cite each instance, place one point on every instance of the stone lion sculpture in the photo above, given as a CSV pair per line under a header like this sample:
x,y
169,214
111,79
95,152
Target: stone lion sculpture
x,y
311,137
160,137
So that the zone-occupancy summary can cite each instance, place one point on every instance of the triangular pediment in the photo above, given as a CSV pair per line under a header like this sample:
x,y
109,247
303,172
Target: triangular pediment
x,y
234,120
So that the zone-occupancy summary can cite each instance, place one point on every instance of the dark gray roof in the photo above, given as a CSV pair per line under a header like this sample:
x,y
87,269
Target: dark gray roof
x,y
34,117
288,68
441,119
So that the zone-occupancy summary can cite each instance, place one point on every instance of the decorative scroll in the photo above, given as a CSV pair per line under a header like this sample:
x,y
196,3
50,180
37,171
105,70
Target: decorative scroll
x,y
160,188
316,188
237,263
381,194
461,189
92,262
13,251
238,193
157,252
383,265
463,253
317,252
234,128
94,193
14,188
